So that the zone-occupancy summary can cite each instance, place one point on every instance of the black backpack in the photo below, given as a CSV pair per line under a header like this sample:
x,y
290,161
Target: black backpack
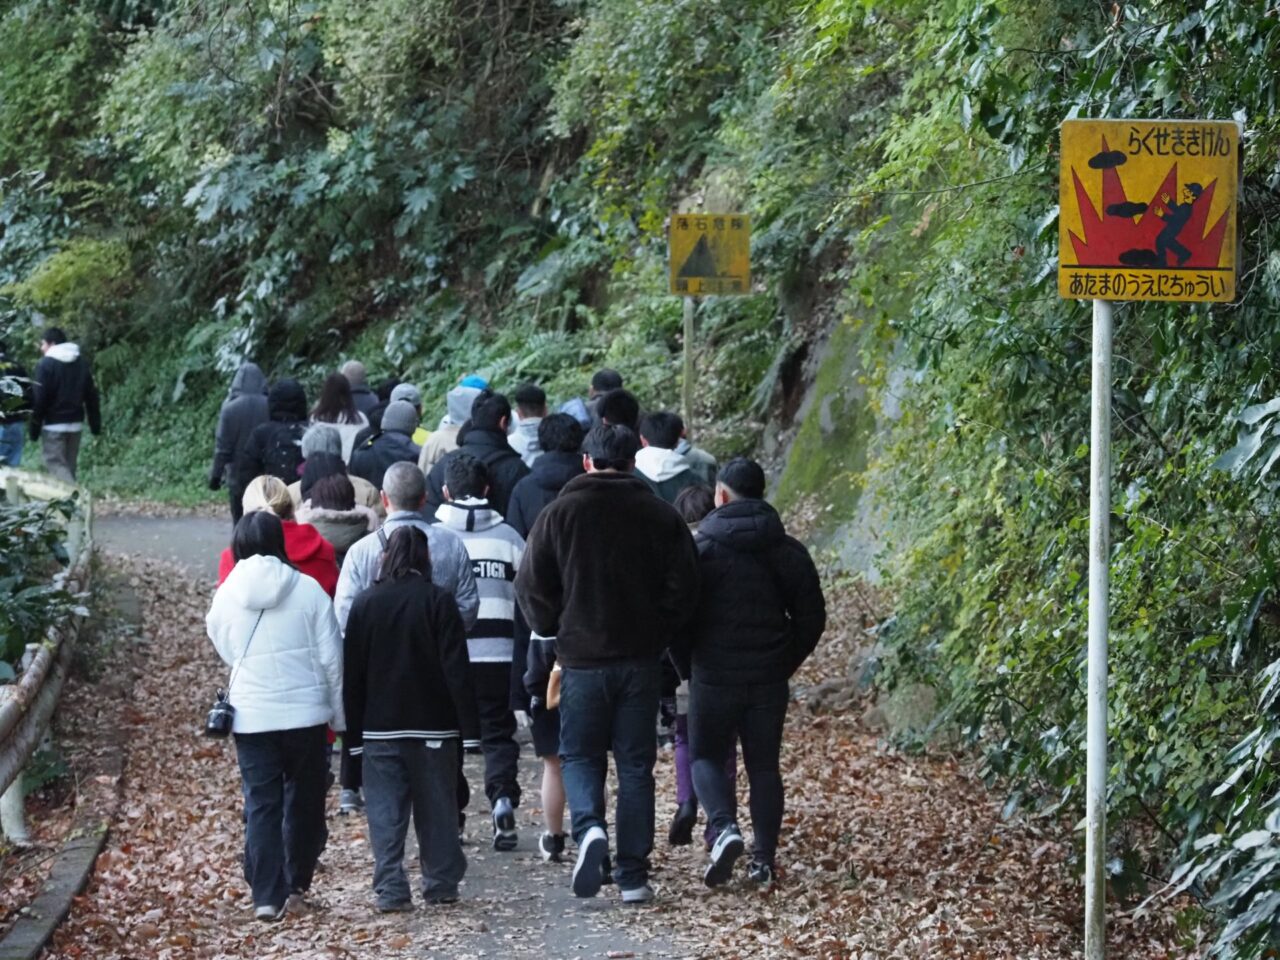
x,y
282,456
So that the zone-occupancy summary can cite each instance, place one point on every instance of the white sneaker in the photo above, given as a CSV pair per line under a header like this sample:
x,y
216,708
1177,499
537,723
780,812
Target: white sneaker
x,y
724,853
638,895
269,914
587,872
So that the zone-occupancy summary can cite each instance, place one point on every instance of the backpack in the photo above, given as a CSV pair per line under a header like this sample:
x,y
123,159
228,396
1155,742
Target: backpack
x,y
282,456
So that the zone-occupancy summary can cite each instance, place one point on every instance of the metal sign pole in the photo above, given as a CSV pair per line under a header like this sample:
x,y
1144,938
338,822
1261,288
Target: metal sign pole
x,y
1095,881
686,387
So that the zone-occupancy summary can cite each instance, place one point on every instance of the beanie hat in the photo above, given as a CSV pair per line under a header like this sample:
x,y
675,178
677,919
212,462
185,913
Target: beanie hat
x,y
400,417
268,493
321,438
407,392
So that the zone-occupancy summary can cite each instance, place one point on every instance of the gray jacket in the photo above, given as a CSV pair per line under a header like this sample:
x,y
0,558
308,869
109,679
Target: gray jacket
x,y
244,408
450,567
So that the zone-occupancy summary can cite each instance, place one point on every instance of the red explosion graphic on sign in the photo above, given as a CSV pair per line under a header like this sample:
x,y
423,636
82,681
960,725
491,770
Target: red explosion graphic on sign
x,y
1168,231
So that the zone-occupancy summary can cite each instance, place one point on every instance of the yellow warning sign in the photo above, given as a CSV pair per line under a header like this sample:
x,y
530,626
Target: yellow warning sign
x,y
710,254
1148,209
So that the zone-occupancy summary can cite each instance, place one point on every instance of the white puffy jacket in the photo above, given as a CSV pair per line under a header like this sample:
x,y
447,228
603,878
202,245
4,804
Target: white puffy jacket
x,y
292,675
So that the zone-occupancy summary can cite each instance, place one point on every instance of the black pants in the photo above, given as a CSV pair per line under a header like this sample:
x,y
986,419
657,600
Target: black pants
x,y
497,731
235,494
755,713
283,775
350,769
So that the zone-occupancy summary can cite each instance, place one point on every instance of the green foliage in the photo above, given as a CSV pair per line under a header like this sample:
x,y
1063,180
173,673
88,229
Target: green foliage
x,y
79,286
30,552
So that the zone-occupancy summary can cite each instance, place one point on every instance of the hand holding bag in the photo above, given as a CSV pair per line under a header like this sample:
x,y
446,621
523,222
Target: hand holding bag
x,y
218,723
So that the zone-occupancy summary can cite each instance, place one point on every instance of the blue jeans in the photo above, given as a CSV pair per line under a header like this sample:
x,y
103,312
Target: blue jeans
x,y
12,436
283,774
603,709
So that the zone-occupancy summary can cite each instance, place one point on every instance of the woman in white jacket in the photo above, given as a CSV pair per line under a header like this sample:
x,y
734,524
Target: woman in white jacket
x,y
275,629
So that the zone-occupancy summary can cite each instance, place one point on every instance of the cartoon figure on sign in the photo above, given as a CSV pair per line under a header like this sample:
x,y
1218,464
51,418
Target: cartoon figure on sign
x,y
1175,217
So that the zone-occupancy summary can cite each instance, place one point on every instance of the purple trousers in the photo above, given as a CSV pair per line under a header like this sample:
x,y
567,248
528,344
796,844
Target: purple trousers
x,y
684,770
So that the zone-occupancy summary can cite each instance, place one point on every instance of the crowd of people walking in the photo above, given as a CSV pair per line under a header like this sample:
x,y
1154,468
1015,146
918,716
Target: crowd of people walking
x,y
417,595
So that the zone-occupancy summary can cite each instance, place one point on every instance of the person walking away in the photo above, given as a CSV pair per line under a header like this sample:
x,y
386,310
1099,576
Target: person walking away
x,y
620,408
363,398
403,498
495,551
531,407
444,438
391,444
657,462
275,630
412,396
610,571
65,397
16,395
410,700
337,408
760,614
306,550
332,510
700,461
486,440
374,413
560,437
322,457
242,412
602,381
275,447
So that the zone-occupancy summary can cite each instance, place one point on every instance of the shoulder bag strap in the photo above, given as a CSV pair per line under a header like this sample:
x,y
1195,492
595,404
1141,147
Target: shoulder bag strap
x,y
244,653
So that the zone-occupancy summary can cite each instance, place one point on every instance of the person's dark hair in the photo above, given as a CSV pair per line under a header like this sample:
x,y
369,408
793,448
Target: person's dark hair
x,y
489,410
661,429
620,408
334,492
744,477
611,447
54,336
560,433
530,398
407,553
1195,190
335,404
465,476
602,381
259,534
385,387
695,502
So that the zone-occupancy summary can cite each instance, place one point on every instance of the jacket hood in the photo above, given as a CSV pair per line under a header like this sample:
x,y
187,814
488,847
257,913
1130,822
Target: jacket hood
x,y
470,514
528,428
287,401
259,583
459,401
248,381
480,437
683,447
303,540
554,469
658,464
746,525
64,352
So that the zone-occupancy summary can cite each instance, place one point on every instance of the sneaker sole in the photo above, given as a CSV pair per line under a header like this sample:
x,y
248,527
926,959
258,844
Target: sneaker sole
x,y
630,898
505,842
721,868
588,874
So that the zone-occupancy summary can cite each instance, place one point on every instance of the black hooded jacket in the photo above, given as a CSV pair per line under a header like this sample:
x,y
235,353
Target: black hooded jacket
x,y
490,447
242,412
760,611
275,447
371,459
548,475
64,391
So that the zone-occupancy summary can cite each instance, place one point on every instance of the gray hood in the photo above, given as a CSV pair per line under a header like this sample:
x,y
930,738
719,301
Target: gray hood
x,y
248,381
459,401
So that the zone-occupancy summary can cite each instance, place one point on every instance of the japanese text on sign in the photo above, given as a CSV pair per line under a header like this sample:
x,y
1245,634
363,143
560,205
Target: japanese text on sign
x,y
710,254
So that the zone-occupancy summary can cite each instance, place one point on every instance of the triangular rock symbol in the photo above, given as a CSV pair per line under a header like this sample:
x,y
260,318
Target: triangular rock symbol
x,y
700,262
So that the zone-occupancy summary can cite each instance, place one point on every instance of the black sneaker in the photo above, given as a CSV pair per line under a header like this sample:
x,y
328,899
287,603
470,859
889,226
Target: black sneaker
x,y
551,846
724,853
681,832
606,868
592,854
761,873
504,825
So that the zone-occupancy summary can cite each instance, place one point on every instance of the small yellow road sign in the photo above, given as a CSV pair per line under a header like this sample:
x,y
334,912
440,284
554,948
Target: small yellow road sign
x,y
710,254
1148,209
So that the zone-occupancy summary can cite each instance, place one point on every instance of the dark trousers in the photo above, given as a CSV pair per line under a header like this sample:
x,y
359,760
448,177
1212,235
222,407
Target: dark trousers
x,y
350,769
235,494
717,716
605,709
413,776
497,731
283,774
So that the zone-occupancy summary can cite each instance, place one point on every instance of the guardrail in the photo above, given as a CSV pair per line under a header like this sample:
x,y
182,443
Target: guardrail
x,y
28,704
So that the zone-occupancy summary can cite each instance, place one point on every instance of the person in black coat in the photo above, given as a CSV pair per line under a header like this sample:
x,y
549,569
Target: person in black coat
x,y
560,437
410,702
760,613
242,412
275,447
65,397
485,438
390,444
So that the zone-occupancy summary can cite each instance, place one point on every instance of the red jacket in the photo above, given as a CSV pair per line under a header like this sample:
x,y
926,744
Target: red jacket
x,y
311,553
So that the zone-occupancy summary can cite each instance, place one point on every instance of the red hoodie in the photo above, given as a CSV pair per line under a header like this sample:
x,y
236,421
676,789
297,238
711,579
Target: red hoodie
x,y
311,553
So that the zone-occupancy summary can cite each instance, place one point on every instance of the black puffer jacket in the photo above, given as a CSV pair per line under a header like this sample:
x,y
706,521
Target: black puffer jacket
x,y
761,610
548,475
490,447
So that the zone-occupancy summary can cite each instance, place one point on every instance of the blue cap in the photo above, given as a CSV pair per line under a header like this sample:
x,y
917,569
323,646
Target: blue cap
x,y
480,383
